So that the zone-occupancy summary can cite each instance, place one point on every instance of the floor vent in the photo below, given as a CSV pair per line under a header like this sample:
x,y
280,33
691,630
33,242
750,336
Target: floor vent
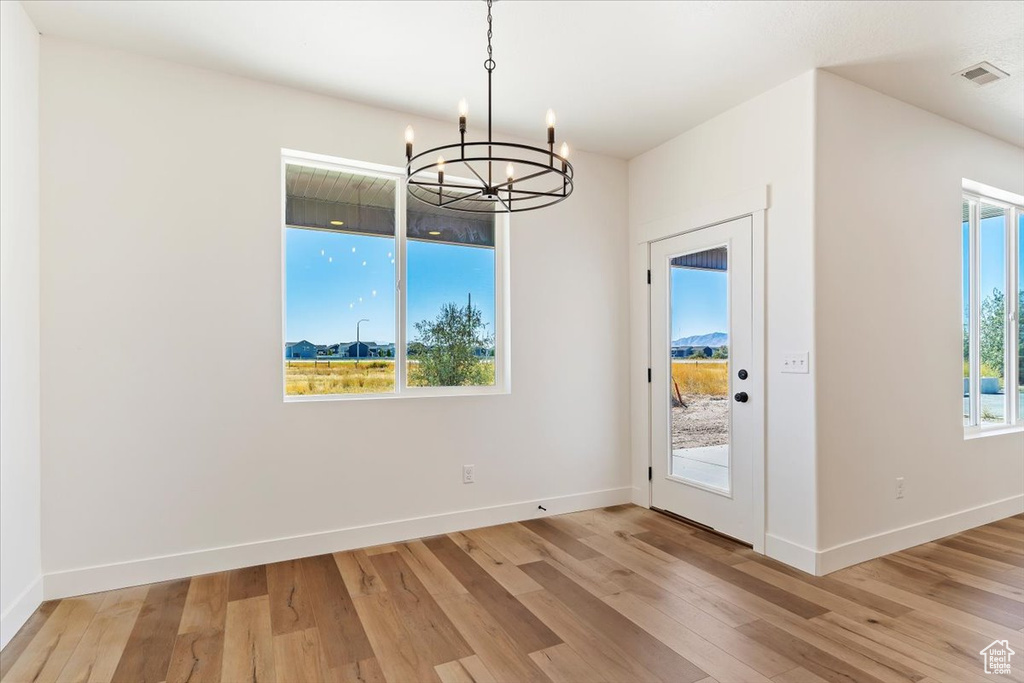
x,y
983,73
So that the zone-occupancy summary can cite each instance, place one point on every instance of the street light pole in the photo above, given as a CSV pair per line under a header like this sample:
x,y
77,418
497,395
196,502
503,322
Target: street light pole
x,y
359,351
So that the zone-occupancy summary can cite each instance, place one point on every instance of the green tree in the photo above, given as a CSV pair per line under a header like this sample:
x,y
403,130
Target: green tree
x,y
721,352
967,334
448,356
1020,334
697,353
993,332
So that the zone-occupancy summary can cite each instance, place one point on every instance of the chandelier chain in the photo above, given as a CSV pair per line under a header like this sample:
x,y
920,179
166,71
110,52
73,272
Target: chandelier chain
x,y
489,64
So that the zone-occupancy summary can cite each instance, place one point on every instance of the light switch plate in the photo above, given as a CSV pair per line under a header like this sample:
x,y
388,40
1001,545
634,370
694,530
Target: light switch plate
x,y
797,363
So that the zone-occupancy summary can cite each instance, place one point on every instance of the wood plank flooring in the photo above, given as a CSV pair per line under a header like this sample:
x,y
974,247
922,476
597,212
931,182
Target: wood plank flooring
x,y
613,595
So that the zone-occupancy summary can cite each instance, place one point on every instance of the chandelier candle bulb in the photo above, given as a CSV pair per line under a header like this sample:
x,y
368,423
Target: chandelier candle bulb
x,y
408,142
463,110
551,127
440,170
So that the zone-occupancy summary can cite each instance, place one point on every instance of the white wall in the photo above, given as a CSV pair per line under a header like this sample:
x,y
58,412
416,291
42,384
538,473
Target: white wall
x,y
888,329
20,585
160,231
161,236
767,141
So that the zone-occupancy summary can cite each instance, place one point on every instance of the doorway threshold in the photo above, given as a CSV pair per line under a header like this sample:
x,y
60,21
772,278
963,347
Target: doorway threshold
x,y
702,527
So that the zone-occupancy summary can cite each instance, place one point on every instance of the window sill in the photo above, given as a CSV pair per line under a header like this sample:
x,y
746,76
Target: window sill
x,y
433,392
996,430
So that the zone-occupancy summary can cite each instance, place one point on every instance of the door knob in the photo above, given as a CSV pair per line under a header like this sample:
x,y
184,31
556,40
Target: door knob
x,y
742,374
741,397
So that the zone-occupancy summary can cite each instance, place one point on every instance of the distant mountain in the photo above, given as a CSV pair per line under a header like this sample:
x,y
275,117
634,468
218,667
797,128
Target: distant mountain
x,y
714,340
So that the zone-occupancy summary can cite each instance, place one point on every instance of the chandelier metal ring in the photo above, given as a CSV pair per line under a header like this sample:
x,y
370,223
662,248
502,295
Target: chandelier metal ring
x,y
480,188
550,182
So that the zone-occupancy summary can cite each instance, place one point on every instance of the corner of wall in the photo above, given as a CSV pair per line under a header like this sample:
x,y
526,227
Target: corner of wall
x,y
20,472
816,77
19,611
887,172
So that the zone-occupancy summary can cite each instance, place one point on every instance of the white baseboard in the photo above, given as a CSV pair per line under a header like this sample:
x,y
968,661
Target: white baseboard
x,y
15,616
641,496
864,549
821,562
149,570
793,554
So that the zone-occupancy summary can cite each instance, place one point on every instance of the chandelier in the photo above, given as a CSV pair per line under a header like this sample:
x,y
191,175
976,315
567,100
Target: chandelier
x,y
527,177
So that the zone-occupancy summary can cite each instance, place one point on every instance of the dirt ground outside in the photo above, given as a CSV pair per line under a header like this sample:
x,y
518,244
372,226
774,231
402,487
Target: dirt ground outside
x,y
702,420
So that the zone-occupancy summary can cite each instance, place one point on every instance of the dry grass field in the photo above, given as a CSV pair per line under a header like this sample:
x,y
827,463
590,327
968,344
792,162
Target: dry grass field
x,y
339,377
309,378
710,378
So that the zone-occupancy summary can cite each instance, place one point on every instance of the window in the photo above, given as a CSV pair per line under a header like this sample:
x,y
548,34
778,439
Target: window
x,y
992,224
384,297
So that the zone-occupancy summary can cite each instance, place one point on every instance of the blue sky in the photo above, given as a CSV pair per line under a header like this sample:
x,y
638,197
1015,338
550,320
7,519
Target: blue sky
x,y
699,302
699,297
993,257
334,279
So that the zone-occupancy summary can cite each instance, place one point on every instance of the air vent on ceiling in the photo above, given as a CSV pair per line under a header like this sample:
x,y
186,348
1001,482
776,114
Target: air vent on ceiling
x,y
983,73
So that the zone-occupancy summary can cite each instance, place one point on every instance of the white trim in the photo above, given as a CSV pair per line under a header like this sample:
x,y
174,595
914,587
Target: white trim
x,y
401,344
983,191
994,430
793,554
868,548
754,203
641,496
735,206
757,381
974,314
1013,314
639,361
976,194
20,610
83,580
410,392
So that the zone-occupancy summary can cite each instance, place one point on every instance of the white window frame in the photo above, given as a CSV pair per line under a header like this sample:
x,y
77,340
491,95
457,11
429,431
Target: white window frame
x,y
502,347
976,193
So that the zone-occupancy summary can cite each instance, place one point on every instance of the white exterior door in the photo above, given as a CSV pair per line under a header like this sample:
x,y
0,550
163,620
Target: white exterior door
x,y
705,383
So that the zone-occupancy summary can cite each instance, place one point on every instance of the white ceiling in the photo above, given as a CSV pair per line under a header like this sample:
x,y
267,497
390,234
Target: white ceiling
x,y
622,76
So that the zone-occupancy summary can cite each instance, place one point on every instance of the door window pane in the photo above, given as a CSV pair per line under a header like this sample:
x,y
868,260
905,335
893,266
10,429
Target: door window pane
x,y
450,298
992,337
339,282
699,299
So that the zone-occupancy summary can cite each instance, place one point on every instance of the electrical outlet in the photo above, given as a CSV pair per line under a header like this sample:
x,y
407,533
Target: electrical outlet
x,y
899,487
796,362
468,474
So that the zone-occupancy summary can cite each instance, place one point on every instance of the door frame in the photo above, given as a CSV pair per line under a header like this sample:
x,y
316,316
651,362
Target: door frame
x,y
754,204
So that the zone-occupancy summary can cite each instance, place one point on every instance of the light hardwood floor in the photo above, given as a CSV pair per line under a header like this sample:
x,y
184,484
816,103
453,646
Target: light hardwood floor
x,y
620,594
